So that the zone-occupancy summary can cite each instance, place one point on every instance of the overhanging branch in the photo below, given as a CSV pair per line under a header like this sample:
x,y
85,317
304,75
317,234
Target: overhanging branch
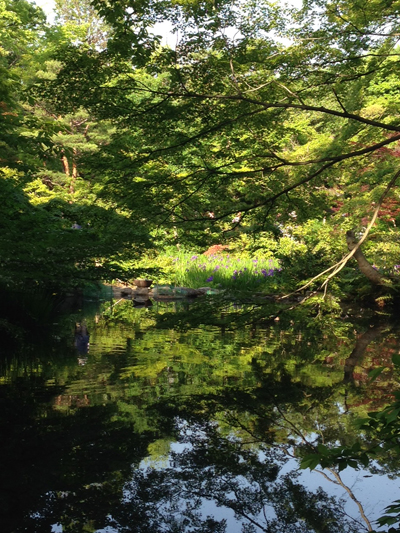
x,y
335,269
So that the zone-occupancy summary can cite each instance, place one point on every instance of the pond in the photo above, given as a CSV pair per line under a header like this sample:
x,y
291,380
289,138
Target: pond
x,y
159,427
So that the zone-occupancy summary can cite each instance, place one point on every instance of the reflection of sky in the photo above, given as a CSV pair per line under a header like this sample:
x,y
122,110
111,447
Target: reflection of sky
x,y
374,492
208,508
56,528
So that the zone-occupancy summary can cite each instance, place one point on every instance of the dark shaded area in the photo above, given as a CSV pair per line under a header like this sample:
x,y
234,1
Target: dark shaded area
x,y
77,430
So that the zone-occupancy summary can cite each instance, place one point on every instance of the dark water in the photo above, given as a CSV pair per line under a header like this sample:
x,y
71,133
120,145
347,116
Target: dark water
x,y
196,430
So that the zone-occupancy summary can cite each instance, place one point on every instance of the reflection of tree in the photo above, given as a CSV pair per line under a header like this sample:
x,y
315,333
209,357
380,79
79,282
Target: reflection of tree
x,y
246,481
337,480
359,349
67,468
246,401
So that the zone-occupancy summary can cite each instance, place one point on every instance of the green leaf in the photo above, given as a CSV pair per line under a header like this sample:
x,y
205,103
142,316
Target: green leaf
x,y
375,373
323,450
310,461
393,415
387,520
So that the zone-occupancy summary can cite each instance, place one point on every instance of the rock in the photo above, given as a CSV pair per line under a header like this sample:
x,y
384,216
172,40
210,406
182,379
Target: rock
x,y
208,290
142,282
126,291
143,291
165,292
203,290
191,293
140,299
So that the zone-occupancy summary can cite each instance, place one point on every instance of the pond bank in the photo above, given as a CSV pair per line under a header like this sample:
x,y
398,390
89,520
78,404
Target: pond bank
x,y
160,292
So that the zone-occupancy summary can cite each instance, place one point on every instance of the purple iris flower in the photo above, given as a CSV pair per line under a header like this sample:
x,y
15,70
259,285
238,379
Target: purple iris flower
x,y
210,278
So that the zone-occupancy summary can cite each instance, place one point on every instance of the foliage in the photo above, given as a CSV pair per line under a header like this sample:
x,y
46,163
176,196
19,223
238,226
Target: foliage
x,y
151,424
268,129
241,136
248,138
42,201
221,271
382,430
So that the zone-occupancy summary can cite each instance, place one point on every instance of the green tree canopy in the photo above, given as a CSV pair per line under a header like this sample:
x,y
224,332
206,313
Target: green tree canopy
x,y
260,114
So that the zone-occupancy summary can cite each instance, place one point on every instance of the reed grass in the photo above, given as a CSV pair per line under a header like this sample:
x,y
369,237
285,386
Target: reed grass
x,y
225,271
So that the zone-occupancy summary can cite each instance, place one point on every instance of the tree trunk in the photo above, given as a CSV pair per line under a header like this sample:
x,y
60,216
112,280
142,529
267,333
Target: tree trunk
x,y
74,175
365,267
356,356
65,165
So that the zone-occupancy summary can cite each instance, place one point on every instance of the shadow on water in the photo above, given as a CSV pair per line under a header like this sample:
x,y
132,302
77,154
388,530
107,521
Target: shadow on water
x,y
115,423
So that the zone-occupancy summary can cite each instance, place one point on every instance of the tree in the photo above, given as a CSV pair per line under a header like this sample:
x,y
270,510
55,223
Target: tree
x,y
238,405
80,18
44,201
245,122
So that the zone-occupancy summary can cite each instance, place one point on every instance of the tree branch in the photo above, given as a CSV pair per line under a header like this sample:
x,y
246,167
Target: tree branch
x,y
342,263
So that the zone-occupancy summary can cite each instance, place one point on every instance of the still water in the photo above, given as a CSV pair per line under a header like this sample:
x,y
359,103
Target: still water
x,y
114,420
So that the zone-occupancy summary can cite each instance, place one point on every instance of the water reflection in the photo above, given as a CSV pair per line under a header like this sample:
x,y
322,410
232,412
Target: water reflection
x,y
82,338
195,430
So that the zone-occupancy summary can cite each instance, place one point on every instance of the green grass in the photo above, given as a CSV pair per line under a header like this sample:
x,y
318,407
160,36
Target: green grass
x,y
225,271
